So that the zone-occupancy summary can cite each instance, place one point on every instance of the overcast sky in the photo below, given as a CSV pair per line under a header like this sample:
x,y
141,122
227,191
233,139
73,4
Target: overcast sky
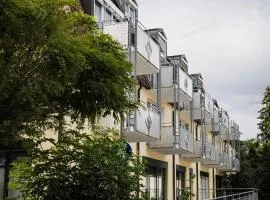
x,y
228,41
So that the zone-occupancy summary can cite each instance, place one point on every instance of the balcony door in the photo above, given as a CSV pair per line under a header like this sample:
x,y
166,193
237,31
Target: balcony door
x,y
204,189
155,183
180,182
155,179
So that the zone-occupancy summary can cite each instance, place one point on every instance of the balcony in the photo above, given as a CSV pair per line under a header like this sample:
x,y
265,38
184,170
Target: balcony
x,y
170,143
142,125
204,154
202,108
224,125
236,164
214,127
227,162
234,131
210,154
147,56
216,121
176,86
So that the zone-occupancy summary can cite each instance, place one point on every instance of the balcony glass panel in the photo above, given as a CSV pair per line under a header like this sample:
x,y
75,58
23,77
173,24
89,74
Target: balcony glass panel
x,y
147,47
209,104
236,164
143,122
148,57
209,150
185,82
198,148
119,30
224,119
186,139
173,143
199,101
183,85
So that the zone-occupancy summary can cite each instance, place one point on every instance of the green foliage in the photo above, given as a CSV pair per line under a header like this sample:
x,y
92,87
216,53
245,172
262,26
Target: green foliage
x,y
55,62
255,156
255,168
186,193
81,167
264,116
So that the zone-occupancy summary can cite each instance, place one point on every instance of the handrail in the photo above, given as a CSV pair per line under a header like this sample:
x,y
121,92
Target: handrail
x,y
233,195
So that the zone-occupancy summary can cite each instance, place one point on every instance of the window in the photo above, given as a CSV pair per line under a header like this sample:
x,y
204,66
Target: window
x,y
204,190
155,182
180,183
98,11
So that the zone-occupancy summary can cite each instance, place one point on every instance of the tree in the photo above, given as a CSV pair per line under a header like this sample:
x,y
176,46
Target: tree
x,y
54,62
264,116
255,156
81,167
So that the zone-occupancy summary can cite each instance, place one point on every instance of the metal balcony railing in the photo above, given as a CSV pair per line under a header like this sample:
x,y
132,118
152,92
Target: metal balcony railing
x,y
206,154
236,164
202,107
233,194
147,57
176,86
210,151
143,124
234,131
170,143
226,162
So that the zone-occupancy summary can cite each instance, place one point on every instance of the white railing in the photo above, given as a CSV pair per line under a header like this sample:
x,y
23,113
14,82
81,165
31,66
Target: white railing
x,y
224,119
147,47
145,120
118,29
186,139
166,76
234,129
208,103
182,140
246,194
227,161
185,82
218,156
209,150
203,100
236,164
198,147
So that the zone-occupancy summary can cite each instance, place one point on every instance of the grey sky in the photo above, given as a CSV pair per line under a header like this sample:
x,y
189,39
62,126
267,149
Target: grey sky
x,y
228,41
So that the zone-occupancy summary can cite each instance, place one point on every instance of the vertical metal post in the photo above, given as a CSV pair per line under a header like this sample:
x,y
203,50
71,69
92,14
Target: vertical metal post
x,y
203,124
191,120
178,104
135,65
174,103
159,95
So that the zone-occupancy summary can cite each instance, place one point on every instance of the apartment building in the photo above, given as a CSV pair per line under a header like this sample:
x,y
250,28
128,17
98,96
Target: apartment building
x,y
187,139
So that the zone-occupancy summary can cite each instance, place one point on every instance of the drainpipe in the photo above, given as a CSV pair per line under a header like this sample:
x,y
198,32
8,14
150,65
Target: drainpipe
x,y
197,181
139,96
197,166
174,176
214,185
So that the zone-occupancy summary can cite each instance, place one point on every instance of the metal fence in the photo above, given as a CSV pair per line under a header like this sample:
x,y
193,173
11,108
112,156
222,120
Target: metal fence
x,y
231,194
